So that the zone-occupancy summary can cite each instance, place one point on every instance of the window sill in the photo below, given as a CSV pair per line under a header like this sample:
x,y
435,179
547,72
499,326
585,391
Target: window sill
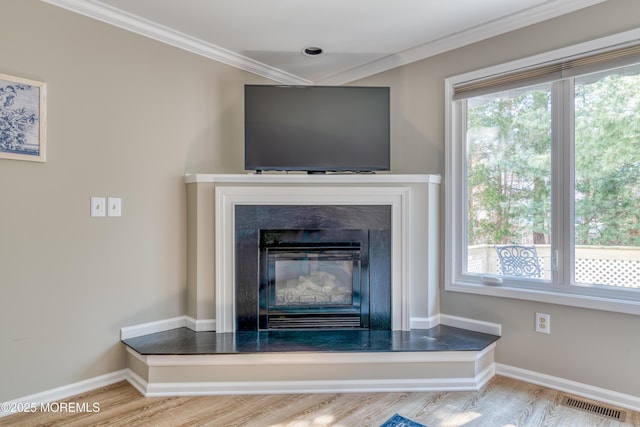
x,y
547,296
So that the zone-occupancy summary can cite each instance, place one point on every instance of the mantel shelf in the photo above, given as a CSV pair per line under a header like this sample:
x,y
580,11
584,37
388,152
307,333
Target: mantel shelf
x,y
300,178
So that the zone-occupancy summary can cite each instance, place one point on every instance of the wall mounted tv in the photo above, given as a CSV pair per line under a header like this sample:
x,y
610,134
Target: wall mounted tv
x,y
317,128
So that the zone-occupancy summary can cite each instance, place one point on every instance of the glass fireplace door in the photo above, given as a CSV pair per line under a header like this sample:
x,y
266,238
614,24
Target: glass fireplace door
x,y
313,287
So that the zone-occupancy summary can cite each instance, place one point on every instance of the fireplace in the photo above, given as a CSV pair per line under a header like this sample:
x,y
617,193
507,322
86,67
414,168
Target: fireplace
x,y
314,279
216,242
313,267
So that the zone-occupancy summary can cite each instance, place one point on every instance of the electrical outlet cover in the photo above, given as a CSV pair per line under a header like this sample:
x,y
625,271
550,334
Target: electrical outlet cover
x,y
543,323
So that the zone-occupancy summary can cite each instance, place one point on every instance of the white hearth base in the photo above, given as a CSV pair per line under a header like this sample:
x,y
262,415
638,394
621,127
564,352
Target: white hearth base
x,y
167,375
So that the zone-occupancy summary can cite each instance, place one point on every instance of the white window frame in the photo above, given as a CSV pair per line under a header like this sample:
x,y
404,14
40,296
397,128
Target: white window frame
x,y
561,292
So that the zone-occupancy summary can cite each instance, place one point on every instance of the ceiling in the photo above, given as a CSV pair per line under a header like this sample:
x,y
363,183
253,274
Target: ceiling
x,y
359,37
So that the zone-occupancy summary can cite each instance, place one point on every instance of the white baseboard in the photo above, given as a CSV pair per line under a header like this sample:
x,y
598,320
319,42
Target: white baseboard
x,y
424,322
59,393
166,325
174,389
568,386
210,325
201,325
137,382
307,387
456,322
471,324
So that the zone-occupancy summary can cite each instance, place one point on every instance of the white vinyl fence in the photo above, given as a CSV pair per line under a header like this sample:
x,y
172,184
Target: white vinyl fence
x,y
605,265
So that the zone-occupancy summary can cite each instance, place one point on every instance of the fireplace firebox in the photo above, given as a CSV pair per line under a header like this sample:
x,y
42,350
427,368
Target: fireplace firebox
x,y
314,279
312,267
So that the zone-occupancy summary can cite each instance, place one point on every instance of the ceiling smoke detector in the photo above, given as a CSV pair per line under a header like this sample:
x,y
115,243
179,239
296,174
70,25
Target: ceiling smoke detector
x,y
312,51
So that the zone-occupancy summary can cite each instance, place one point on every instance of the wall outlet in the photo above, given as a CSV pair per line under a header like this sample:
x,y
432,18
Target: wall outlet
x,y
543,323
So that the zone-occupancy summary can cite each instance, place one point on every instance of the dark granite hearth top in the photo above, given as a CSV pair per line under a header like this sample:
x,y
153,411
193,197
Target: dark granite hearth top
x,y
184,341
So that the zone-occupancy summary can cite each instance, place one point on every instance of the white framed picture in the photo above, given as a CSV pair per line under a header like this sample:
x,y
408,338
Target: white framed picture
x,y
22,119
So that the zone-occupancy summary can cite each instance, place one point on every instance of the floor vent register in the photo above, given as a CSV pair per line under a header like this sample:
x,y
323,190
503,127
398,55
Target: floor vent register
x,y
593,408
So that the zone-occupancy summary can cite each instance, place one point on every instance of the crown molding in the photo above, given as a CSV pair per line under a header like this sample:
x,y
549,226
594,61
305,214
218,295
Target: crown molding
x,y
116,17
155,31
476,34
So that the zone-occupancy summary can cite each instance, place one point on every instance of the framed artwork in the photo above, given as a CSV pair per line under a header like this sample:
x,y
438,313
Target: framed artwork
x,y
22,119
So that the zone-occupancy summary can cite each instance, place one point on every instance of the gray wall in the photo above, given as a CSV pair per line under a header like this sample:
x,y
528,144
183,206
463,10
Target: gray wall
x,y
129,116
598,348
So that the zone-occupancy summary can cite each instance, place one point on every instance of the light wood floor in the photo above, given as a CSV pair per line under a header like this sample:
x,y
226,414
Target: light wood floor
x,y
503,402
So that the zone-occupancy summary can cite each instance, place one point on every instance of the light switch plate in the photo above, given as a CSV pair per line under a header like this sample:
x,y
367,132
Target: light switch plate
x,y
97,206
114,206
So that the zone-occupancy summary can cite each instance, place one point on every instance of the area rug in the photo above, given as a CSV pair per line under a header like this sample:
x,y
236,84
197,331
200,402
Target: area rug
x,y
400,421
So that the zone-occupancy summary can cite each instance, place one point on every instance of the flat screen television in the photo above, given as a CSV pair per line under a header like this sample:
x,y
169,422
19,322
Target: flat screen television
x,y
316,128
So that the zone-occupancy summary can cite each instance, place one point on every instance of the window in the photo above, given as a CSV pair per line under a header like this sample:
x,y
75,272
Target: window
x,y
508,170
543,178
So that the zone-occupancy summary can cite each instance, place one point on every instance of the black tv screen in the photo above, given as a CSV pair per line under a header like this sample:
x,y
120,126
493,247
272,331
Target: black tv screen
x,y
317,128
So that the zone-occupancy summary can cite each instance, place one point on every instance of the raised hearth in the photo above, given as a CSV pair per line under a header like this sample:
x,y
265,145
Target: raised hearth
x,y
184,362
184,341
415,353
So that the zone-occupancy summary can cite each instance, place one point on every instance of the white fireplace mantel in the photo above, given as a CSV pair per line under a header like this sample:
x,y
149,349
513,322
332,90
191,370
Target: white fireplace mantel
x,y
303,178
414,230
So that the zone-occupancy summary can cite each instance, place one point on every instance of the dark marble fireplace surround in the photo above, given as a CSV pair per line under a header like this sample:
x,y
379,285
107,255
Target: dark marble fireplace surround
x,y
367,227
